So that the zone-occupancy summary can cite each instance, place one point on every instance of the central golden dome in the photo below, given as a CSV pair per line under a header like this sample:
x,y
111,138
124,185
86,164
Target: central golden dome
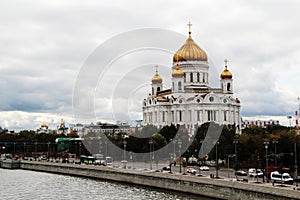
x,y
190,51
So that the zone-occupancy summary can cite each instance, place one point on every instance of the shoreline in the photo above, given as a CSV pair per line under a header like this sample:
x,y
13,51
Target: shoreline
x,y
196,185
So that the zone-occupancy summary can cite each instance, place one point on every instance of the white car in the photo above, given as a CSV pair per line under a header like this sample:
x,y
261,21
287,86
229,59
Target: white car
x,y
252,172
191,170
276,177
204,168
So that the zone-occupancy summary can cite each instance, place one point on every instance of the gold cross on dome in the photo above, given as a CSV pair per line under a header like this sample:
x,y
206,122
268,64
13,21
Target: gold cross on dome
x,y
226,61
156,66
189,25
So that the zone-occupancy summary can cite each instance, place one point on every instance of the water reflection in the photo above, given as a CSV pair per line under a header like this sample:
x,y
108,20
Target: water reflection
x,y
22,184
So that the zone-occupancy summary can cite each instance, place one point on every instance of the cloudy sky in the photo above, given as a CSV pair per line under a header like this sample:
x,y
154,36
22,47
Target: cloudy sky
x,y
45,45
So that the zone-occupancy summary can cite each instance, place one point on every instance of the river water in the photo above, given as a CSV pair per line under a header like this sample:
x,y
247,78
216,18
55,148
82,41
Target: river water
x,y
23,184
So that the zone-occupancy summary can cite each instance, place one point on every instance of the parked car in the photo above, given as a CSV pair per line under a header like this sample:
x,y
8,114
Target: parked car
x,y
191,170
260,173
240,173
252,172
166,168
276,177
204,168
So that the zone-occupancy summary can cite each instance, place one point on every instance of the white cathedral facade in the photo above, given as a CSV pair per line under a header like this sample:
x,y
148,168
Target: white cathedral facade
x,y
191,101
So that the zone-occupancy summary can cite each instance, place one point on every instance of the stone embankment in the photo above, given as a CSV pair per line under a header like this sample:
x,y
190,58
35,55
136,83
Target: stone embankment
x,y
215,188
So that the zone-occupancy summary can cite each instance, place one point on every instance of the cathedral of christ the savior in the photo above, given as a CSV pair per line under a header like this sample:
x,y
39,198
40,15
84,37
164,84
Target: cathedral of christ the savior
x,y
191,101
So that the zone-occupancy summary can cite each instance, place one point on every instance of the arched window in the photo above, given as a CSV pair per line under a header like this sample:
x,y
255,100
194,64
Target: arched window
x,y
173,85
191,77
228,87
158,89
152,91
184,76
198,77
180,115
179,85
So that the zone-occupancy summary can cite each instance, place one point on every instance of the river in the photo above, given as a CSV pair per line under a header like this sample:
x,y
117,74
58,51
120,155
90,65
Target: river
x,y
23,184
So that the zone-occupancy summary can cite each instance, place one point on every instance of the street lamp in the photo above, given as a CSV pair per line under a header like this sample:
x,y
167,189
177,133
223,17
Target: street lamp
x,y
100,146
179,146
290,119
202,149
217,159
48,144
174,150
150,145
235,142
14,148
296,166
35,150
79,154
266,143
171,158
124,143
275,142
105,148
24,149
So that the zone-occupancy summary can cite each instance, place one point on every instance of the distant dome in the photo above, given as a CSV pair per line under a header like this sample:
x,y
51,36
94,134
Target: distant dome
x,y
156,78
226,74
189,51
43,125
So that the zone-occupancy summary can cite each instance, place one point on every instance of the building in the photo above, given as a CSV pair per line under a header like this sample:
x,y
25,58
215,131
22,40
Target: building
x,y
259,123
191,101
62,129
43,129
100,128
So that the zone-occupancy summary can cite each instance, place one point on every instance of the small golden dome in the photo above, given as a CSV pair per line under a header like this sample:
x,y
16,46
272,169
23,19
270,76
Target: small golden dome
x,y
190,51
62,123
226,74
177,72
156,78
43,125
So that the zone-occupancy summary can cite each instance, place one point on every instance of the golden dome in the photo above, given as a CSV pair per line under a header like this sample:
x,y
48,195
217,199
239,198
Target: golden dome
x,y
43,125
189,51
226,74
156,78
177,72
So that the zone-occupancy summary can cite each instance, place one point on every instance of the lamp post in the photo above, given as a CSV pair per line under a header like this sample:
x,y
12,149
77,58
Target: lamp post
x,y
24,149
14,148
48,144
171,158
35,150
150,145
296,166
124,143
235,142
174,149
290,119
217,159
180,160
266,143
106,149
275,142
79,154
100,147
